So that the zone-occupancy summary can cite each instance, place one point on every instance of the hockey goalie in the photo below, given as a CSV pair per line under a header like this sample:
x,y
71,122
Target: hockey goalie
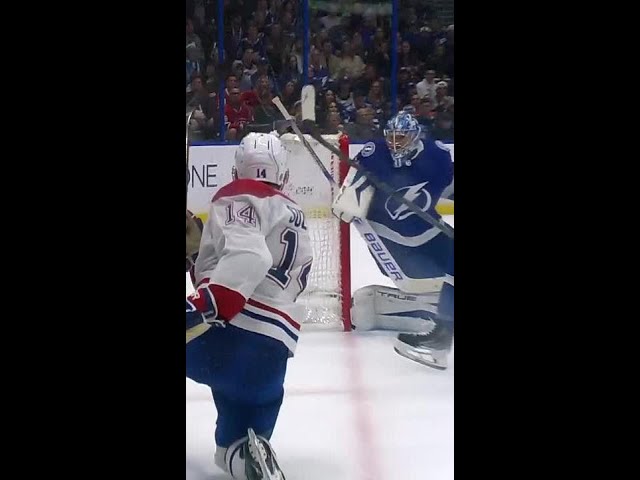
x,y
415,255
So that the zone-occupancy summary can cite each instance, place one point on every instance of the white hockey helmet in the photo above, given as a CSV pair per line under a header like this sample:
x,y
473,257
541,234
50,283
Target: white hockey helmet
x,y
261,156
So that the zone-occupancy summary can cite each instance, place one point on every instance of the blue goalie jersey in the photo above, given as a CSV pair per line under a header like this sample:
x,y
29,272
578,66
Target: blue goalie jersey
x,y
420,250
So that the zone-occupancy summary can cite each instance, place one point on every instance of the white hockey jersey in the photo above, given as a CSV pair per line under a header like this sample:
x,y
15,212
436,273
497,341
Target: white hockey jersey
x,y
254,260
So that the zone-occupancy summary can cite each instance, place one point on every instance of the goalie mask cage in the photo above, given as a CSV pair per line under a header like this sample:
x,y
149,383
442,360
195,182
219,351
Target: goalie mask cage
x,y
327,298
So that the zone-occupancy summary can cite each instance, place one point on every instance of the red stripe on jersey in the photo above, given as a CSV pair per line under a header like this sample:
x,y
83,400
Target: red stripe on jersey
x,y
248,186
290,320
228,302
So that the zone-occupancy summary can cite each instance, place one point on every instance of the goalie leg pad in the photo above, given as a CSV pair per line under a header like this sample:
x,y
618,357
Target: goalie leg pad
x,y
384,308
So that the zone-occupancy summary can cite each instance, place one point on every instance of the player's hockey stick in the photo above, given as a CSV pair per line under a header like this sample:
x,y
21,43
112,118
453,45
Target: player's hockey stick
x,y
379,184
308,102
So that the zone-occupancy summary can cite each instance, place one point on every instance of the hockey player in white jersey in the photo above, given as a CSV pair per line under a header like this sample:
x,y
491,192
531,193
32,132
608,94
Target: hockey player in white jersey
x,y
416,256
254,259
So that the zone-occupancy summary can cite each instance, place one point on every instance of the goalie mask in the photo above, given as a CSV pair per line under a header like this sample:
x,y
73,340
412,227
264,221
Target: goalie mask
x,y
262,157
403,136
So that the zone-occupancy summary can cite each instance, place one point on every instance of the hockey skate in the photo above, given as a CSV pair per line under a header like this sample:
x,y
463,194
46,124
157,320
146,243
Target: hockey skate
x,y
260,459
431,349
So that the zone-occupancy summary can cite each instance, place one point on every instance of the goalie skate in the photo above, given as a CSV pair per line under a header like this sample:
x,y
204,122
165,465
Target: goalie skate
x,y
430,349
260,460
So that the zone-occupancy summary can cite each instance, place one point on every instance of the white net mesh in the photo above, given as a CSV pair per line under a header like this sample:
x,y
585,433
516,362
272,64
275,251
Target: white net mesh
x,y
314,193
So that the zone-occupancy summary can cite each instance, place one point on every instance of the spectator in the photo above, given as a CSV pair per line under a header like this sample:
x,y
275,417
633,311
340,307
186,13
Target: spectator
x,y
289,96
274,48
288,27
235,34
380,56
349,113
290,72
194,42
262,10
443,128
333,108
297,110
264,110
205,106
437,59
249,62
329,98
378,102
406,57
320,76
368,32
449,82
450,109
340,33
427,87
212,82
357,44
379,36
296,51
237,114
253,40
426,114
193,65
333,125
322,106
237,69
442,101
330,20
370,76
231,82
345,95
414,104
403,82
349,65
364,129
259,19
263,69
331,60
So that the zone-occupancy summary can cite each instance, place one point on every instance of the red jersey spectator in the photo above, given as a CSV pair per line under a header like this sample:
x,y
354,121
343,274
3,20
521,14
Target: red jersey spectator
x,y
238,115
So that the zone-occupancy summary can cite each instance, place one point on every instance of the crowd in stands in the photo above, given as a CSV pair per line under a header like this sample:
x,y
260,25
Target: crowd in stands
x,y
349,65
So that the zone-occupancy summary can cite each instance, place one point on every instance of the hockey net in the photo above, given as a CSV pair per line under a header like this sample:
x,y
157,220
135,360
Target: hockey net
x,y
327,298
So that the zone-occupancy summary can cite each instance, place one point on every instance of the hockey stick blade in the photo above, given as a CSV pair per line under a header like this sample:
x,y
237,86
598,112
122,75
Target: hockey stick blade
x,y
308,102
379,184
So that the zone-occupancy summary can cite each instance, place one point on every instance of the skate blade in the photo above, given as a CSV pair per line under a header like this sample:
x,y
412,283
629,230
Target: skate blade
x,y
266,473
437,360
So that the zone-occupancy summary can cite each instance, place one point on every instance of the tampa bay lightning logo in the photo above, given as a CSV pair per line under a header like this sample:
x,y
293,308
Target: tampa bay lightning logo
x,y
414,193
368,149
